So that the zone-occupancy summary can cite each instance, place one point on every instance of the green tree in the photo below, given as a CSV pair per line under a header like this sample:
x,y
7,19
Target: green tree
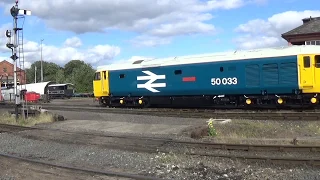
x,y
72,65
49,71
60,77
76,72
82,78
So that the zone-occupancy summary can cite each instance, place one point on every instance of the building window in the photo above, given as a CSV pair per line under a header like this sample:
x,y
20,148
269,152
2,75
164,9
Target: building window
x,y
314,42
5,69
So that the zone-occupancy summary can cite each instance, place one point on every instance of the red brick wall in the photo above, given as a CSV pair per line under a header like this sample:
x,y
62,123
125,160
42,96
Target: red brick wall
x,y
7,67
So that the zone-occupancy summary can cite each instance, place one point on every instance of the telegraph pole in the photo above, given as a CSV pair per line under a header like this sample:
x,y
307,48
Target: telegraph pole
x,y
15,11
41,62
35,74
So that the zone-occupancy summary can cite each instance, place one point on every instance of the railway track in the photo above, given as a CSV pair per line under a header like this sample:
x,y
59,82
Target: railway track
x,y
221,109
307,115
200,113
153,145
86,170
4,128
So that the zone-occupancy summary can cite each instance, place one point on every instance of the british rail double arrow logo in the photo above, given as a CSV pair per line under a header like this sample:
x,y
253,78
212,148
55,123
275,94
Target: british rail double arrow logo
x,y
152,78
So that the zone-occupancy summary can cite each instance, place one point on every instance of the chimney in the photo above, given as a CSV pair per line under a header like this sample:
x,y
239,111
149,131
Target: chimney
x,y
305,20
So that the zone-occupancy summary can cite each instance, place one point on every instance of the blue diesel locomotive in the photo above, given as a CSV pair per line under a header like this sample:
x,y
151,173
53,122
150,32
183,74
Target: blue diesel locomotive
x,y
278,77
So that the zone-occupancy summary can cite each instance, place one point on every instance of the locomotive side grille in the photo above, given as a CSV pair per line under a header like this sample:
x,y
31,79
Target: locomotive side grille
x,y
270,74
288,73
252,75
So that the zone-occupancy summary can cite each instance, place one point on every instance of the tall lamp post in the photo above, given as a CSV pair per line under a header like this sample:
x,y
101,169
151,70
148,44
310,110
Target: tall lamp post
x,y
41,61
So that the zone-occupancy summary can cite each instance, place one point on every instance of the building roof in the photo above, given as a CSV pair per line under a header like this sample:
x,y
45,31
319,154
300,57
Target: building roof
x,y
54,85
310,26
7,62
216,57
35,87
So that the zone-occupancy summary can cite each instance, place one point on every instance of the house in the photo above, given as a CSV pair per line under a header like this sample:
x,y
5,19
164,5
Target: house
x,y
6,70
306,34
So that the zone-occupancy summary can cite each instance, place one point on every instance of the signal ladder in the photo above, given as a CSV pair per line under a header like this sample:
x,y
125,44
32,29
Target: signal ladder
x,y
20,64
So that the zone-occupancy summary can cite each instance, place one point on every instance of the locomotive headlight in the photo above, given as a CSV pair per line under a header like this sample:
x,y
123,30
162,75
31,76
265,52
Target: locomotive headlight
x,y
313,100
140,101
280,101
248,101
121,101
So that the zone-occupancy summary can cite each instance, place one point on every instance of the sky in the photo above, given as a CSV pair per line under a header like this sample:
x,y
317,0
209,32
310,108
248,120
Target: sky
x,y
103,32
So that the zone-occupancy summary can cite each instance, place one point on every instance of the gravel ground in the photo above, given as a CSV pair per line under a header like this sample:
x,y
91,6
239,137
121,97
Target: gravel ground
x,y
130,118
12,169
237,131
168,166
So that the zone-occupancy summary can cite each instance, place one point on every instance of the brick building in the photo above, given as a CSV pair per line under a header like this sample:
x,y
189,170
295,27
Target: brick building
x,y
306,34
7,68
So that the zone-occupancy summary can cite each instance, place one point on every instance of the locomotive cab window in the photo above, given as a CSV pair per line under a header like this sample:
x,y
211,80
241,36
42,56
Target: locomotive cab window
x,y
306,62
97,76
104,75
317,61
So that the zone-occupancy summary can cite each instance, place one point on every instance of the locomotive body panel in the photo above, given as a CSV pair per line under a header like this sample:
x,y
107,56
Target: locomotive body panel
x,y
278,75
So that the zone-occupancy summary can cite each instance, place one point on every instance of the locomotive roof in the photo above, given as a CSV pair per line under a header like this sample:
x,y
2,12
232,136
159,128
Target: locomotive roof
x,y
220,56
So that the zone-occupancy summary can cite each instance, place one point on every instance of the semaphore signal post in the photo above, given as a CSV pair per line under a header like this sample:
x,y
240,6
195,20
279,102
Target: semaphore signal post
x,y
13,45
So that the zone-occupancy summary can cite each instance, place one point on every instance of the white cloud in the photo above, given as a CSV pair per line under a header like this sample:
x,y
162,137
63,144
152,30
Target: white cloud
x,y
141,41
73,42
3,38
227,4
61,55
130,60
154,19
259,33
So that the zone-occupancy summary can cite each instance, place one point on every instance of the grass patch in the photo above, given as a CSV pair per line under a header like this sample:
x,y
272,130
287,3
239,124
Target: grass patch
x,y
267,129
7,118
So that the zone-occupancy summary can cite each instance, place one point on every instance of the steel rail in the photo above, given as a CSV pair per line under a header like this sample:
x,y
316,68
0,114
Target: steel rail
x,y
104,172
281,160
249,147
202,109
205,146
201,145
190,113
